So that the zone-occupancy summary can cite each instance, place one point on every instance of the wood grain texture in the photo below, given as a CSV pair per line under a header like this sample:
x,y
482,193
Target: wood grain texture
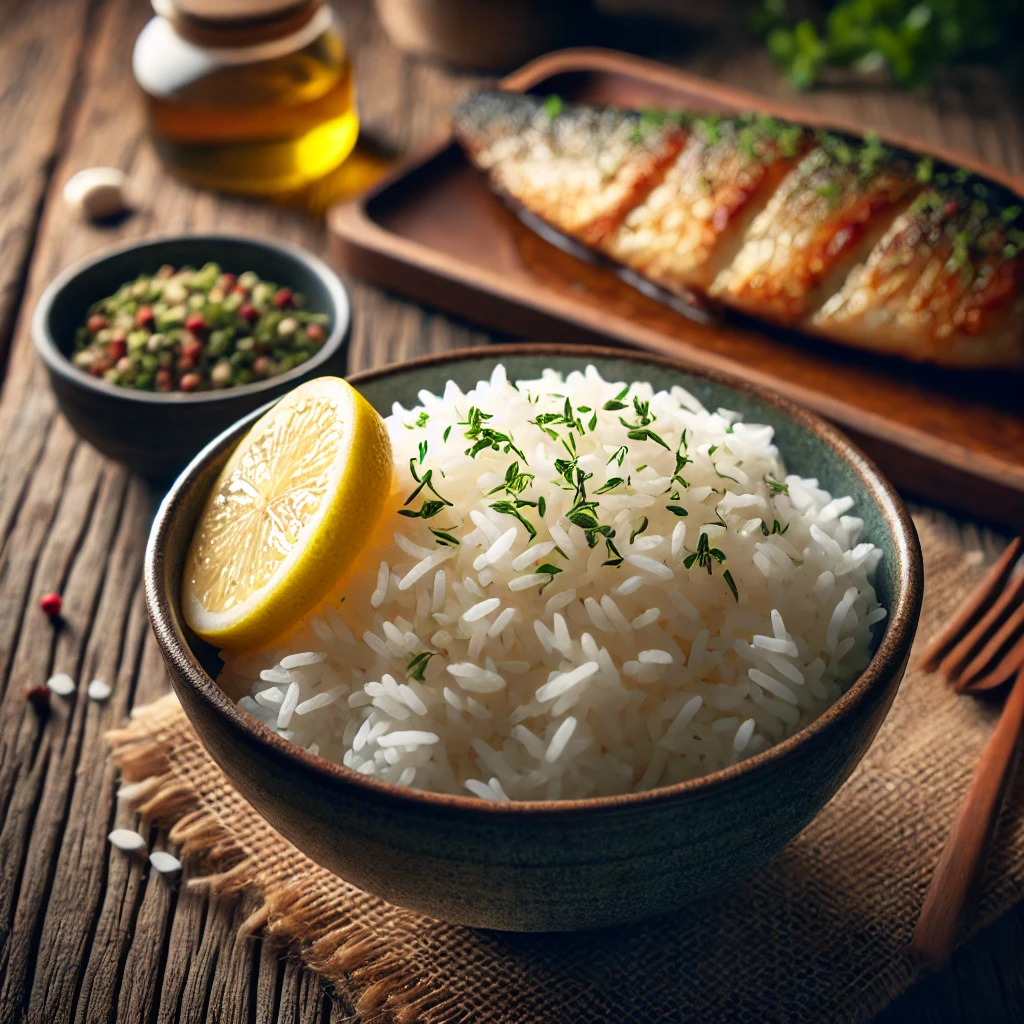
x,y
42,45
88,934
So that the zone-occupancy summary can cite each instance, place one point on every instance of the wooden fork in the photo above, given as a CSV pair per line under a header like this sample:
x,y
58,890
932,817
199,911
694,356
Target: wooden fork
x,y
981,647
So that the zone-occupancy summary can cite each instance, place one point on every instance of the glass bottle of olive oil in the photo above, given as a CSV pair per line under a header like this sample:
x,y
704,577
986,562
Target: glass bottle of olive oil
x,y
248,96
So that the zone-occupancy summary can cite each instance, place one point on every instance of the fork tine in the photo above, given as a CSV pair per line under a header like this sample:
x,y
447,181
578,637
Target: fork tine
x,y
974,608
964,653
1013,660
998,664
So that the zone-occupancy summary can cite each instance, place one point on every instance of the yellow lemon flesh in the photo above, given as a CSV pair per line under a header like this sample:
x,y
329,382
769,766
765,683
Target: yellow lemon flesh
x,y
290,512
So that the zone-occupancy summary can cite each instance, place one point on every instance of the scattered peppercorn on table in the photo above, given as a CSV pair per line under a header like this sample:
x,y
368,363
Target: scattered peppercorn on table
x,y
89,932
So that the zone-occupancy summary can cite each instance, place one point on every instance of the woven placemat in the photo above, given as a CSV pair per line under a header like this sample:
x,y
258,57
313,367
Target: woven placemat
x,y
817,935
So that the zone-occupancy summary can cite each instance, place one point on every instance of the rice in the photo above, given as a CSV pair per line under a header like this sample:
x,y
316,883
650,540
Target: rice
x,y
622,590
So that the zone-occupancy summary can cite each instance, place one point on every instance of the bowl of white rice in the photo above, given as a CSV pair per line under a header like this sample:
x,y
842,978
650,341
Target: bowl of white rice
x,y
623,628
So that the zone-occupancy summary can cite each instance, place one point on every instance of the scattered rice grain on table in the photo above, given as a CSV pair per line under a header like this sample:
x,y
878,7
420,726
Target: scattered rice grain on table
x,y
127,840
61,684
165,863
578,588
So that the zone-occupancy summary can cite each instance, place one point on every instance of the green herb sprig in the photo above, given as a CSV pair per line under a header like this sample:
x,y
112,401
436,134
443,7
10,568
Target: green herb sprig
x,y
909,38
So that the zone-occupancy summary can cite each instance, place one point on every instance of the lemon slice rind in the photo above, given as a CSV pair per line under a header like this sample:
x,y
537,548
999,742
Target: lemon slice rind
x,y
357,485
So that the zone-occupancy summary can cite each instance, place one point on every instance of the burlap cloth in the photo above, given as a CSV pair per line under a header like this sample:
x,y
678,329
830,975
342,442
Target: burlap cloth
x,y
817,935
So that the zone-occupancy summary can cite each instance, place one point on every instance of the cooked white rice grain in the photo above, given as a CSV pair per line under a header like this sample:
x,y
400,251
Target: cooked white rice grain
x,y
165,863
98,690
127,840
61,684
580,639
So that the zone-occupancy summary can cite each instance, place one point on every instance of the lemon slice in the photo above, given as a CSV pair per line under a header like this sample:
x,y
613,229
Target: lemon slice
x,y
291,510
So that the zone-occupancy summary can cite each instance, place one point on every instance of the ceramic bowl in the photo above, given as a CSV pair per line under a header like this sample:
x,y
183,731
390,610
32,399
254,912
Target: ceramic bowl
x,y
566,864
481,35
156,434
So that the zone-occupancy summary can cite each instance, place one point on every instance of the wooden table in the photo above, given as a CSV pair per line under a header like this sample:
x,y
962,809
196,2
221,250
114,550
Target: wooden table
x,y
87,934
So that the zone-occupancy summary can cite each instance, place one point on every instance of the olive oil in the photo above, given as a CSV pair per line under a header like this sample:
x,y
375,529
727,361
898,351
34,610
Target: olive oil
x,y
266,119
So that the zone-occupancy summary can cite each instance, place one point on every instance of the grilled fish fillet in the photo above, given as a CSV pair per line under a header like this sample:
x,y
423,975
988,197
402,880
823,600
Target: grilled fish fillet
x,y
843,238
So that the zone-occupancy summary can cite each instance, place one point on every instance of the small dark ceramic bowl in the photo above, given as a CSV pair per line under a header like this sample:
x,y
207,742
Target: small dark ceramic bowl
x,y
157,434
564,864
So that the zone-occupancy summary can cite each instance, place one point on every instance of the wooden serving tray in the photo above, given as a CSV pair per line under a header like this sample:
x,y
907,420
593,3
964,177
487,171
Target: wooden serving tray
x,y
433,230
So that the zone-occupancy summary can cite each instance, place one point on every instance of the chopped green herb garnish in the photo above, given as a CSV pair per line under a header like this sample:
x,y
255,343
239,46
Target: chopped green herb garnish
x,y
515,482
547,569
711,127
677,510
643,435
618,456
425,481
427,510
583,516
830,192
553,106
775,487
418,665
727,576
640,529
705,555
444,539
614,558
506,508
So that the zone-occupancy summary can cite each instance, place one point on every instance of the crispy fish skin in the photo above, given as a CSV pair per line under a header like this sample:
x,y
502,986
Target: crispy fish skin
x,y
691,224
822,220
577,167
845,239
946,271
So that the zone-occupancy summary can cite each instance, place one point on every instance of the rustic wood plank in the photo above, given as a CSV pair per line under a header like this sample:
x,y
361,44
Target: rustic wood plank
x,y
43,43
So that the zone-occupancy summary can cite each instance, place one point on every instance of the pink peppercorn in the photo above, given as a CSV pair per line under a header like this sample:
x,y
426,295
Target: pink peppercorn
x,y
96,322
164,380
283,298
262,367
189,382
315,332
192,350
195,322
51,604
39,697
144,317
227,282
117,349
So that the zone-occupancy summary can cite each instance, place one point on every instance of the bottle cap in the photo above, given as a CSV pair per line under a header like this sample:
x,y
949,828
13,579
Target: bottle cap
x,y
223,10
239,23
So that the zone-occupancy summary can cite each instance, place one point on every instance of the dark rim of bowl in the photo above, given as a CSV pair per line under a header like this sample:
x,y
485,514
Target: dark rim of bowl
x,y
60,364
889,658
